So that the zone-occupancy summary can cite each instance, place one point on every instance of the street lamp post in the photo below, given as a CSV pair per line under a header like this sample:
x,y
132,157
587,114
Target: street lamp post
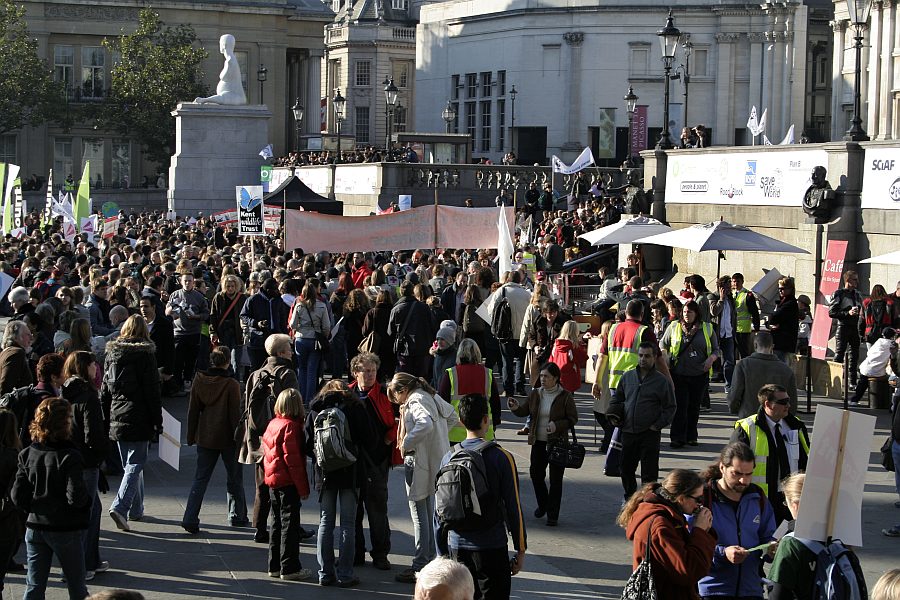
x,y
512,127
390,99
262,74
668,39
339,103
630,104
298,110
859,18
688,48
448,115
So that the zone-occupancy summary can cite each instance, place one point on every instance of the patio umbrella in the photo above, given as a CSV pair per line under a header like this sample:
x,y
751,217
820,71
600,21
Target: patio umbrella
x,y
720,236
625,232
891,258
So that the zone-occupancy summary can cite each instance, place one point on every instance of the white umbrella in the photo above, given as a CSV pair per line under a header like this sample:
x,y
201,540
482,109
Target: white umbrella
x,y
625,232
720,235
891,258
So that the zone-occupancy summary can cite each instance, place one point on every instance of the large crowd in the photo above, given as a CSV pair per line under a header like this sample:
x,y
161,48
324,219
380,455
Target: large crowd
x,y
325,371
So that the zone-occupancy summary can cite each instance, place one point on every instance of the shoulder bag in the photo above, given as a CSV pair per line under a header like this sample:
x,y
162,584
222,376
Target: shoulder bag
x,y
323,343
887,459
403,343
640,586
564,453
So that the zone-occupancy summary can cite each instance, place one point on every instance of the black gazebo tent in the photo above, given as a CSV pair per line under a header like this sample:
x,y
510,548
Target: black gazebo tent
x,y
293,193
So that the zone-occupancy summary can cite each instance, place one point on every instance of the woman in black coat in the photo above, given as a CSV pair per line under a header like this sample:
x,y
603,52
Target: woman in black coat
x,y
377,320
11,522
784,323
355,310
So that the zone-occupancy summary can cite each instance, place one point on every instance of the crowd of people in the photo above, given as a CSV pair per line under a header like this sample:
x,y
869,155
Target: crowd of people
x,y
326,371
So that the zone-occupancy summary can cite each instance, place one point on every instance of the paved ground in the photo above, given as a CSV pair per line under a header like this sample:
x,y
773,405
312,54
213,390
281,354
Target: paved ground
x,y
587,556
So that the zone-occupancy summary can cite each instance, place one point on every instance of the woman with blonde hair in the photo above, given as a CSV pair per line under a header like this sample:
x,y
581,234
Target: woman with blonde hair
x,y
888,586
425,422
309,320
569,355
225,319
532,314
602,395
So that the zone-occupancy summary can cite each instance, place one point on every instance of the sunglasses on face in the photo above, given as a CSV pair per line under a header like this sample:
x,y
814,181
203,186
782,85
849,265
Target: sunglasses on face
x,y
782,401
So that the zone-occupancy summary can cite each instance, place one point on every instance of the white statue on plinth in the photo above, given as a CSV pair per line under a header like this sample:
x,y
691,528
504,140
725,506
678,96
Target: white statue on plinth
x,y
229,89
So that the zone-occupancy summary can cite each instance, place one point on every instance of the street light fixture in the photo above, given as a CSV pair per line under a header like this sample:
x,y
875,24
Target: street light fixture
x,y
630,104
448,115
298,111
262,74
512,127
339,103
668,40
684,71
859,17
390,99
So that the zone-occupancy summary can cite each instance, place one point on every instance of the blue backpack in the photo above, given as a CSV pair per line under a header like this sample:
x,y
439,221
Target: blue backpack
x,y
838,574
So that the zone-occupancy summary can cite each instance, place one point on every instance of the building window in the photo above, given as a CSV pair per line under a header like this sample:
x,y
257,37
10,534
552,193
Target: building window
x,y
471,121
62,159
454,87
93,67
486,84
700,62
454,125
471,85
363,73
64,67
640,60
486,126
8,148
501,83
121,164
400,4
361,126
336,5
400,70
501,124
400,118
243,58
92,150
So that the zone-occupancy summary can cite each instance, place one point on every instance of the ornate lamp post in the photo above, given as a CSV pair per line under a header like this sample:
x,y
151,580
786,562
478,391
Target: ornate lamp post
x,y
685,72
298,111
390,99
262,74
448,115
339,103
668,39
859,18
512,127
630,104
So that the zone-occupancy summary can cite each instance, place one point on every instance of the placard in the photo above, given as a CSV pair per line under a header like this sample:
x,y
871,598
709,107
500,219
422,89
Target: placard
x,y
110,227
821,331
250,210
835,253
881,178
170,440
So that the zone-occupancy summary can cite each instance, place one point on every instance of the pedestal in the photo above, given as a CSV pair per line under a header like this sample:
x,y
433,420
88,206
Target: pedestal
x,y
217,148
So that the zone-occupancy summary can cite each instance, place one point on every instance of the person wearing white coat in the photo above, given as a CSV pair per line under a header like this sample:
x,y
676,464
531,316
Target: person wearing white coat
x,y
425,422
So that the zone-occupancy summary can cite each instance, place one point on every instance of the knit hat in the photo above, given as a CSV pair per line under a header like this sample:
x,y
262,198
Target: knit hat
x,y
449,323
448,334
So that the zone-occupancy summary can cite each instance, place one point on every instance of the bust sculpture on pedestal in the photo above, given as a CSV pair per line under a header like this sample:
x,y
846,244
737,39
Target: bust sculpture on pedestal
x,y
818,197
635,197
229,90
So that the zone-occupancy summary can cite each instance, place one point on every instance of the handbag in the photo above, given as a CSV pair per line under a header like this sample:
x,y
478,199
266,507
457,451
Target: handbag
x,y
887,458
323,344
370,343
566,454
640,586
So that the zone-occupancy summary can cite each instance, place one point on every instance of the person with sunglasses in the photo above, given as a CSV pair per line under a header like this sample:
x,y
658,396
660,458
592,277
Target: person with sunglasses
x,y
784,322
780,442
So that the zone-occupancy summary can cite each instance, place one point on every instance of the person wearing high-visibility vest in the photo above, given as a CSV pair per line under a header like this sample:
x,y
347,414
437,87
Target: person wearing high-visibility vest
x,y
469,376
779,440
747,315
691,346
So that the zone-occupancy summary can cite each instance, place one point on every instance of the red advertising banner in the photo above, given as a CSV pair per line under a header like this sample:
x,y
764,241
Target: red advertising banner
x,y
821,331
833,267
639,129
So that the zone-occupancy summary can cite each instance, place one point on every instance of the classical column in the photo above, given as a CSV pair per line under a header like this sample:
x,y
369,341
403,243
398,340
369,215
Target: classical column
x,y
886,101
572,107
838,127
757,52
774,106
312,118
787,91
870,79
724,95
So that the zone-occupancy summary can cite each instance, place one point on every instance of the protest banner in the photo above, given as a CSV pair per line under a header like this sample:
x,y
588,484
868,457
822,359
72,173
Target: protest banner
x,y
821,331
250,210
110,227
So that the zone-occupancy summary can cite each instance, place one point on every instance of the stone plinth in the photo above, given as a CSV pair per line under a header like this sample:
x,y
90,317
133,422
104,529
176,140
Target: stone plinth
x,y
217,148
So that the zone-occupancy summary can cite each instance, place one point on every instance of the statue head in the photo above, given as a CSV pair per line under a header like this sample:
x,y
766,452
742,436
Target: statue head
x,y
818,175
634,177
226,44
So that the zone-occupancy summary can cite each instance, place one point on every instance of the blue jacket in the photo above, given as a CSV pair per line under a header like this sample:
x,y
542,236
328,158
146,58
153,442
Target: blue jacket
x,y
259,307
749,524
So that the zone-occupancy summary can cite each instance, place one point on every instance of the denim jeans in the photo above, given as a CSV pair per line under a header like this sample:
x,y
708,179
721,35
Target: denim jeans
x,y
92,533
206,463
513,375
422,512
40,547
328,504
129,501
307,367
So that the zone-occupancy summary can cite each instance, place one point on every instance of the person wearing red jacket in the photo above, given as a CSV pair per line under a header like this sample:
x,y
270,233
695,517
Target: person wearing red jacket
x,y
570,356
361,271
285,472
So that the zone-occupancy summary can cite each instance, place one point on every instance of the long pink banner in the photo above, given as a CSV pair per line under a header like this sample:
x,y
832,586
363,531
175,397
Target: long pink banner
x,y
423,227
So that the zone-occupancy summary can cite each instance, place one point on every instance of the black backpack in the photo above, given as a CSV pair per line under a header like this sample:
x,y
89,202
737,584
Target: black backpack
x,y
20,402
261,402
463,500
502,319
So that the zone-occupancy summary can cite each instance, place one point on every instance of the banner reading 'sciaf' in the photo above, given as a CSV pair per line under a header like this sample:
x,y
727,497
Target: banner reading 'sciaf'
x,y
250,210
584,160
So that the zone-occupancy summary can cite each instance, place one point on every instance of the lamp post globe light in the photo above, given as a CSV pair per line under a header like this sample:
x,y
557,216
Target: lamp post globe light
x,y
298,111
630,104
390,98
262,73
859,17
668,40
512,127
339,103
448,115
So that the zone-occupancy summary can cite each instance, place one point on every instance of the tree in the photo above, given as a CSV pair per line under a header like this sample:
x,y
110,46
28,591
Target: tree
x,y
28,94
157,67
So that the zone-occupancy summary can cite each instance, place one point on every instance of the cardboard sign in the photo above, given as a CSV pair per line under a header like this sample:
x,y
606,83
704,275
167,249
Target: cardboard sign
x,y
821,331
110,227
170,440
835,253
593,361
831,502
250,210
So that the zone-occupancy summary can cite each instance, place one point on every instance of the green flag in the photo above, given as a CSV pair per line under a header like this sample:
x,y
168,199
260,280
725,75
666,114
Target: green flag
x,y
83,198
8,177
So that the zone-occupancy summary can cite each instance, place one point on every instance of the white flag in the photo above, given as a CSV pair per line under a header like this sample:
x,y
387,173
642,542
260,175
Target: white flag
x,y
762,121
752,123
584,159
266,152
505,246
766,141
789,138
